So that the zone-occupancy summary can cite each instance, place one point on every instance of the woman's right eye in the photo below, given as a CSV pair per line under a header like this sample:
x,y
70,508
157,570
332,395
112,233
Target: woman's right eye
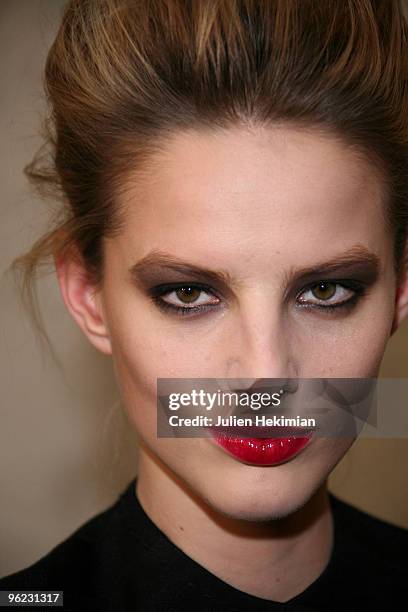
x,y
184,299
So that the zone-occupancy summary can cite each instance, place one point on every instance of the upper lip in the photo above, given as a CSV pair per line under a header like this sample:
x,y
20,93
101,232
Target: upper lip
x,y
263,432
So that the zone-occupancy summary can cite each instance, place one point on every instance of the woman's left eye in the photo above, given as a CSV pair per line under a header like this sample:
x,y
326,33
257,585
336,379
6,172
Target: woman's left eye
x,y
185,299
321,295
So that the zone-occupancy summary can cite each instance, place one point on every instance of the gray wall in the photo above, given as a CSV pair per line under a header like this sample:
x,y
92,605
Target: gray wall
x,y
65,449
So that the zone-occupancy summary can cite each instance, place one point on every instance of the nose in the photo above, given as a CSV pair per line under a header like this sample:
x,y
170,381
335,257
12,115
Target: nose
x,y
260,346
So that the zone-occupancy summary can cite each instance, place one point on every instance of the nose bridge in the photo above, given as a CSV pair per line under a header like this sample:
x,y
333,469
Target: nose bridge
x,y
260,345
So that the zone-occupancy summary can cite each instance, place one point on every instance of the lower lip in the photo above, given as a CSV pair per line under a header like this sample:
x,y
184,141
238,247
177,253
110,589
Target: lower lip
x,y
262,451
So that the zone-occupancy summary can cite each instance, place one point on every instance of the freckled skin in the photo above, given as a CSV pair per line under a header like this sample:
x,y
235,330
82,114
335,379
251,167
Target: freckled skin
x,y
257,203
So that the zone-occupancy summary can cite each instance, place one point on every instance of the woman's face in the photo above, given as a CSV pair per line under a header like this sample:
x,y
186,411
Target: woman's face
x,y
267,208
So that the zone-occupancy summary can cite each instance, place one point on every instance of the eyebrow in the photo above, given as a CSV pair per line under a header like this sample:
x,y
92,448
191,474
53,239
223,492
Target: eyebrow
x,y
357,260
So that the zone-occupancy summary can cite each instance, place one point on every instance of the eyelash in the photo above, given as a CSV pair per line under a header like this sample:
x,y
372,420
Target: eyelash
x,y
161,290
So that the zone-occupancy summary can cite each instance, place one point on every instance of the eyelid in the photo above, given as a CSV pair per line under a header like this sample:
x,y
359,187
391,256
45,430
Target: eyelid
x,y
169,287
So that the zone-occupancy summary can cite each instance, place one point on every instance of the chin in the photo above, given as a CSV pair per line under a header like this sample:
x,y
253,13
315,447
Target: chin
x,y
261,494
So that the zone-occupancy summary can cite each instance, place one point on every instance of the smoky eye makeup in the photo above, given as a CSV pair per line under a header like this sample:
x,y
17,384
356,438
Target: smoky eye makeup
x,y
178,288
348,292
192,292
354,291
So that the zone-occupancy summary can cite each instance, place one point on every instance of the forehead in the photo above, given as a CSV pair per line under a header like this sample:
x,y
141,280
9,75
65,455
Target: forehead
x,y
279,191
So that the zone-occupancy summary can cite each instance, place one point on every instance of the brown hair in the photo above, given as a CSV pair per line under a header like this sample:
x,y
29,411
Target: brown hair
x,y
122,75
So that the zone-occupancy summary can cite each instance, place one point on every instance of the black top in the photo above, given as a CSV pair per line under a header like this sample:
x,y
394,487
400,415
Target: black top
x,y
119,561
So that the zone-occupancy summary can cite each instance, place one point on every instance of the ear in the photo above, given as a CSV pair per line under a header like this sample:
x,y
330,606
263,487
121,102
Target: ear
x,y
401,297
83,300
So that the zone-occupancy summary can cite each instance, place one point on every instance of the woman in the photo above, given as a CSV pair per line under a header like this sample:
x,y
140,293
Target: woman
x,y
234,176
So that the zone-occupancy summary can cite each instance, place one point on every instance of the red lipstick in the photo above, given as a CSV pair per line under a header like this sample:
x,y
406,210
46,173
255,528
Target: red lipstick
x,y
262,451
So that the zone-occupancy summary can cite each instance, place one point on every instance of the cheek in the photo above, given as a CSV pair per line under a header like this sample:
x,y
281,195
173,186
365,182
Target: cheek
x,y
141,356
353,348
326,453
137,365
369,340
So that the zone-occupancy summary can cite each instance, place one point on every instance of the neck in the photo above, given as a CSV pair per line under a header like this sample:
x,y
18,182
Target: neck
x,y
274,560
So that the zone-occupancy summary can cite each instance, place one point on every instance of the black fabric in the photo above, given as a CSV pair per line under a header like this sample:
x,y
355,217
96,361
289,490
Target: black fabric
x,y
120,561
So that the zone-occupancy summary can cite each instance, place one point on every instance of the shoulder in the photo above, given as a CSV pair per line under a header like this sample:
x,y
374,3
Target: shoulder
x,y
74,565
379,544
